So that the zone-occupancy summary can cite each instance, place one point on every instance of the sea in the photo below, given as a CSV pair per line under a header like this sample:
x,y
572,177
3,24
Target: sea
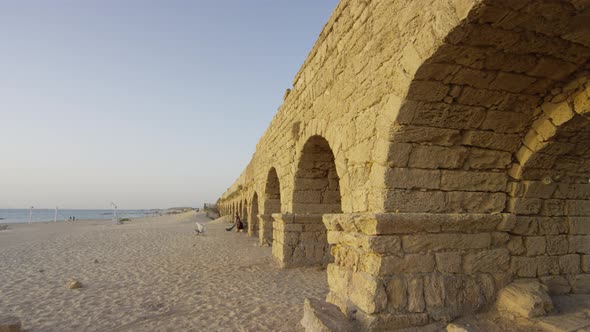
x,y
11,216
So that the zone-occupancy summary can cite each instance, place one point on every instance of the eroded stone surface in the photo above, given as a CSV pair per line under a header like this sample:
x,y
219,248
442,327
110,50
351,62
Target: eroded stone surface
x,y
524,298
319,316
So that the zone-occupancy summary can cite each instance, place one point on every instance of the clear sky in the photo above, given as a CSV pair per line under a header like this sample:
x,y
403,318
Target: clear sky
x,y
149,104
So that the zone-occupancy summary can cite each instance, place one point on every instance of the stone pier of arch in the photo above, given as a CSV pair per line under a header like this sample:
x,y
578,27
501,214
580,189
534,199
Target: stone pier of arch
x,y
428,154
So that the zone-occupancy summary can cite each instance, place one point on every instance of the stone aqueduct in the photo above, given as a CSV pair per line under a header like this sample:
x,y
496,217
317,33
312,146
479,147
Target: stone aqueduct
x,y
431,152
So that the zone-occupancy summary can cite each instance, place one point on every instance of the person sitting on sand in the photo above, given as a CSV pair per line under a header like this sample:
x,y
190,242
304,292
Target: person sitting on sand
x,y
237,223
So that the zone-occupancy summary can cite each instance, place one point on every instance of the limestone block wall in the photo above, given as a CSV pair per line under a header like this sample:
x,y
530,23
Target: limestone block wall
x,y
396,270
298,240
445,145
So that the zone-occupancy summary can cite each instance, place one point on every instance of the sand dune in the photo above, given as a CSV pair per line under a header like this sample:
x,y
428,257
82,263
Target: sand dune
x,y
152,274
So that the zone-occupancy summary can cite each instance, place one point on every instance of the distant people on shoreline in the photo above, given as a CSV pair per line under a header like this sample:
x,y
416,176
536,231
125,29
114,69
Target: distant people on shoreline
x,y
72,219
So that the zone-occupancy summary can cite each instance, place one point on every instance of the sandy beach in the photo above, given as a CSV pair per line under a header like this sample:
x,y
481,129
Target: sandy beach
x,y
150,274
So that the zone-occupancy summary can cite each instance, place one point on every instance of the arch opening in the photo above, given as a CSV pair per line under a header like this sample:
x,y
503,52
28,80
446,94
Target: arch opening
x,y
271,204
317,185
253,217
244,211
316,192
272,193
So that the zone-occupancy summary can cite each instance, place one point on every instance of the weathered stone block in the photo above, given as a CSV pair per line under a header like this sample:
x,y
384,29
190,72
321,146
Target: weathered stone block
x,y
492,261
482,97
320,316
581,284
408,178
409,263
535,245
396,293
505,122
557,245
524,298
414,201
338,278
557,285
579,225
500,239
367,293
434,157
435,242
551,225
511,82
569,264
476,202
491,140
307,196
516,245
416,295
392,154
473,181
448,115
384,322
579,244
586,263
420,134
539,189
448,262
525,267
427,91
487,159
507,223
434,292
435,71
476,78
553,207
473,296
384,244
526,206
577,207
410,223
547,265
552,68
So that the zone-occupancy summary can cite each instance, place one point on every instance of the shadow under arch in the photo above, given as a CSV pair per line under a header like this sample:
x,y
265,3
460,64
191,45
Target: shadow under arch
x,y
271,204
253,227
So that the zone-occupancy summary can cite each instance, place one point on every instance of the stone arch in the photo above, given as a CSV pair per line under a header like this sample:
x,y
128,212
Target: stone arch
x,y
272,193
253,228
471,97
301,237
320,128
550,196
271,205
317,184
244,210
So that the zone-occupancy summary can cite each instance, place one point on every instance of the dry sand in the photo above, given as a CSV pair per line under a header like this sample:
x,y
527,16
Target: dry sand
x,y
152,274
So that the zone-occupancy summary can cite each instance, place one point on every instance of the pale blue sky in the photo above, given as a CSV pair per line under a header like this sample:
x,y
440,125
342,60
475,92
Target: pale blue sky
x,y
149,104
